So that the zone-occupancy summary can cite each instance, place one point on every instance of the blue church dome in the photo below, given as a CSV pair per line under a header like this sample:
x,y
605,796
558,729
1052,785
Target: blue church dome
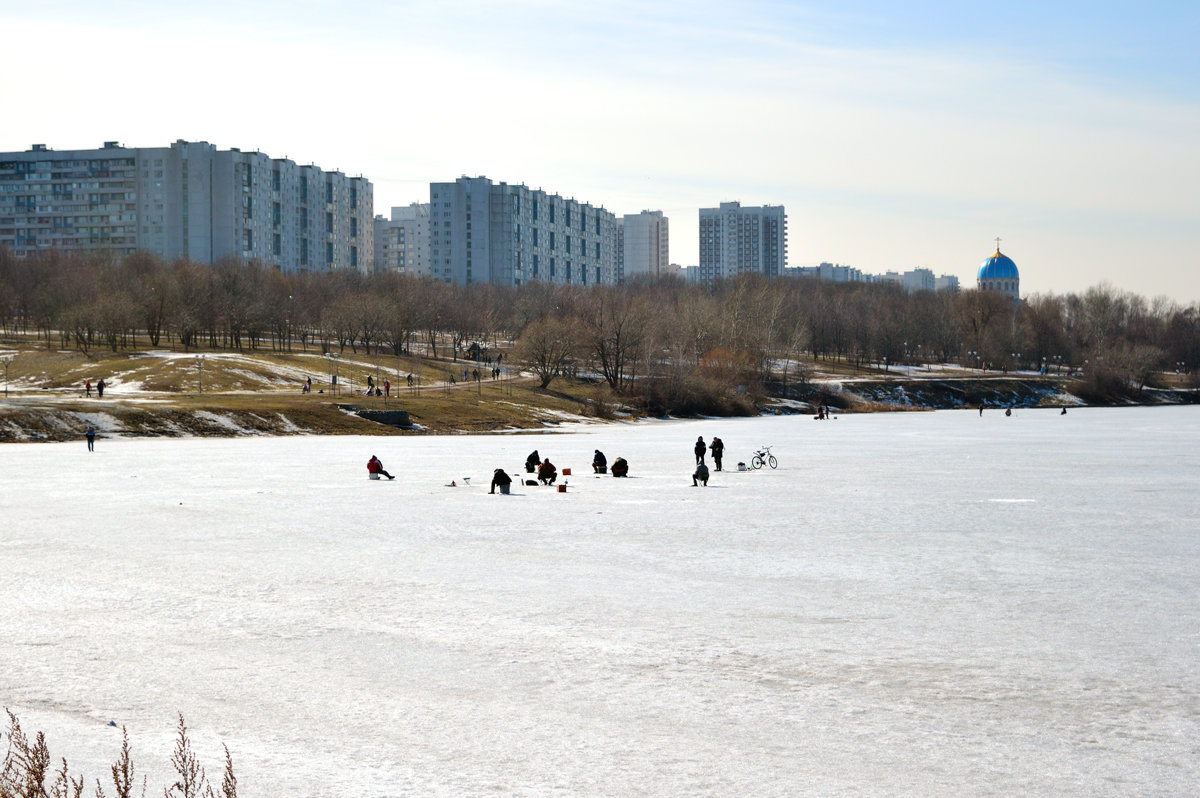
x,y
998,267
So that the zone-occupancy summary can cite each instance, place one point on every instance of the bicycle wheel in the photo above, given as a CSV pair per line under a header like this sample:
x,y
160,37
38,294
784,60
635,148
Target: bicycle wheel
x,y
757,462
771,459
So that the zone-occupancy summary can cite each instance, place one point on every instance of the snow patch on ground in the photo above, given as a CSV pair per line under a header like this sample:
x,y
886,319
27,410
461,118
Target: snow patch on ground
x,y
221,420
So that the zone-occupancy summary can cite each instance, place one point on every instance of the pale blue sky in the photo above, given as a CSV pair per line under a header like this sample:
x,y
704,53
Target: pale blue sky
x,y
897,134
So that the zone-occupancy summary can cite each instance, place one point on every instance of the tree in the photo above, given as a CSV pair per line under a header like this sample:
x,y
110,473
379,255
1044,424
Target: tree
x,y
547,347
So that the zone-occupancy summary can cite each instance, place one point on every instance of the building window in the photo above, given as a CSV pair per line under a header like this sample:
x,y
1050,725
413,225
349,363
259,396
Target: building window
x,y
275,180
329,223
329,191
354,227
534,205
353,197
535,265
329,253
247,240
276,244
304,188
552,267
552,238
353,256
567,217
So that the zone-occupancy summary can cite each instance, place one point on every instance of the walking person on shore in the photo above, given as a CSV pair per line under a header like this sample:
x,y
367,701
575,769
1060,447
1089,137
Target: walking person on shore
x,y
100,389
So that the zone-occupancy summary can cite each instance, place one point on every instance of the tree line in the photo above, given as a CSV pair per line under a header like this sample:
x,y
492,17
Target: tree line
x,y
661,338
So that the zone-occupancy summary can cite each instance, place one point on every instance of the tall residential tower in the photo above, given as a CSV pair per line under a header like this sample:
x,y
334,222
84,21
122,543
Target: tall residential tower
x,y
736,240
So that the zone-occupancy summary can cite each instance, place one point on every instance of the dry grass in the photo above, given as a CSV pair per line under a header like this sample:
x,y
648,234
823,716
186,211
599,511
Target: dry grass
x,y
159,393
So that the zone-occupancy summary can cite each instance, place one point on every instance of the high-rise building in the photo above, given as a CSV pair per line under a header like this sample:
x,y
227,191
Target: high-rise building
x,y
736,240
480,231
402,242
644,245
189,200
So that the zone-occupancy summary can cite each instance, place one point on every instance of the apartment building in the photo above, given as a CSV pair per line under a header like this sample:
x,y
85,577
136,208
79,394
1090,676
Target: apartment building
x,y
480,231
736,240
644,244
189,200
402,242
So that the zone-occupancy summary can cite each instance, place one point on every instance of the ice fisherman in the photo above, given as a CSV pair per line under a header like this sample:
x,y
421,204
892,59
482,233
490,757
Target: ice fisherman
x,y
700,477
500,480
599,462
532,462
620,467
700,449
375,468
547,472
717,447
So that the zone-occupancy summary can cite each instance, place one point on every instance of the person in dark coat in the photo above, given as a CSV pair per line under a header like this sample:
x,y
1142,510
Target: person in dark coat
x,y
700,449
701,476
532,462
91,439
500,480
100,389
547,473
600,463
717,447
620,468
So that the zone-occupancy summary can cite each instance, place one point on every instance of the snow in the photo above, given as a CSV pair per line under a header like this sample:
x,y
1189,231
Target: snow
x,y
912,604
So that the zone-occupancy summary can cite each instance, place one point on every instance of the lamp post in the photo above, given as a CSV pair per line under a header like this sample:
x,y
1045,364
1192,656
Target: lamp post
x,y
200,371
7,359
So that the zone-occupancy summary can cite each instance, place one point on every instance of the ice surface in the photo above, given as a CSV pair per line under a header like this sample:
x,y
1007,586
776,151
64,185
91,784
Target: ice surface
x,y
912,604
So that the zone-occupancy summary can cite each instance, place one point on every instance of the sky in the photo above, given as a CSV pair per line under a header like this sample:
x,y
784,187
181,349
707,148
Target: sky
x,y
897,135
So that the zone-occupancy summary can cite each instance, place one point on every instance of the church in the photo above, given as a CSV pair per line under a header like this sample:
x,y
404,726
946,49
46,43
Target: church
x,y
999,273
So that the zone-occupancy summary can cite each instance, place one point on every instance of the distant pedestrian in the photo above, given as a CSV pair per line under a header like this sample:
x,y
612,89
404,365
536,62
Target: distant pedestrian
x,y
87,386
91,439
100,389
1064,412
410,381
370,385
700,449
981,410
387,387
700,477
717,447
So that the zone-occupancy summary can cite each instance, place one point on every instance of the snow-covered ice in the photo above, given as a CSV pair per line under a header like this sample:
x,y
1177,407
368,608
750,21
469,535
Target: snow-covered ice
x,y
912,604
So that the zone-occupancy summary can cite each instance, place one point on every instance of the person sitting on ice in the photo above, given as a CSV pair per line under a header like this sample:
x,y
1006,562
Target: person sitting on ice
x,y
375,468
600,463
620,468
500,480
700,477
547,473
532,462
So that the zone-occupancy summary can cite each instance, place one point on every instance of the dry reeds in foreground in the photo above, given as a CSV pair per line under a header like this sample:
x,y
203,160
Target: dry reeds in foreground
x,y
27,772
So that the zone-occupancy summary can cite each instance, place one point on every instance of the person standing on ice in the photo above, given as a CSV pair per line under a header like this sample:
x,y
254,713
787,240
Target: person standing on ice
x,y
700,449
717,447
532,462
375,468
91,439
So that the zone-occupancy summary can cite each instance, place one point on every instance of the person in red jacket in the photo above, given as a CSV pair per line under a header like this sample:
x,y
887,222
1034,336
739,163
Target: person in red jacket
x,y
375,468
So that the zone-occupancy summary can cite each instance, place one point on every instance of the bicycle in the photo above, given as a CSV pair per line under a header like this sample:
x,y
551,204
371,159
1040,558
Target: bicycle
x,y
763,457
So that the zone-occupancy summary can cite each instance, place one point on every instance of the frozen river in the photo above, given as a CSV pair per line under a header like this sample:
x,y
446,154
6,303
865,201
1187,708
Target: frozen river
x,y
912,604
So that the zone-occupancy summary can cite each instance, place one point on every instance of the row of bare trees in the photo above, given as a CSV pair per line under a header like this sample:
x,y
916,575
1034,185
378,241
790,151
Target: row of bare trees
x,y
746,332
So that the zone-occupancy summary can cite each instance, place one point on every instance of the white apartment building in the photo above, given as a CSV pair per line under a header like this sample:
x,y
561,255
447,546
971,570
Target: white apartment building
x,y
480,231
643,245
736,240
189,200
402,242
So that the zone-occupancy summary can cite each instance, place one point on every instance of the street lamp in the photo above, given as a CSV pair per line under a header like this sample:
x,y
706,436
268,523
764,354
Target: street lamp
x,y
7,359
